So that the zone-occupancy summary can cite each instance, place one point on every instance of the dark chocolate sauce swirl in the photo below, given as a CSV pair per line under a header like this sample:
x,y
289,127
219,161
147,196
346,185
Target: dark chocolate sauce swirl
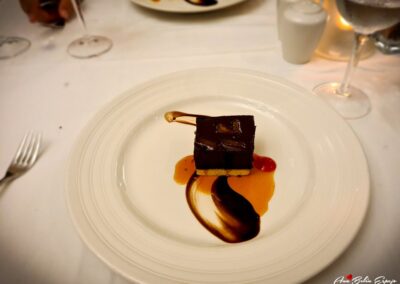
x,y
237,214
202,2
232,218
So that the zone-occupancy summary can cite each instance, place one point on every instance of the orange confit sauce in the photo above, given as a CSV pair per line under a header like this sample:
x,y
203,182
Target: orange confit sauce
x,y
257,187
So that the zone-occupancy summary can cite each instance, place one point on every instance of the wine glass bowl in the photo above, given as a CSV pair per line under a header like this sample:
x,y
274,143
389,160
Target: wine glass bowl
x,y
366,17
369,16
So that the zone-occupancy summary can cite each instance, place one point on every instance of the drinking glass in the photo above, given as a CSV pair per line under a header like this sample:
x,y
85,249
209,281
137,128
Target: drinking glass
x,y
11,46
88,45
366,18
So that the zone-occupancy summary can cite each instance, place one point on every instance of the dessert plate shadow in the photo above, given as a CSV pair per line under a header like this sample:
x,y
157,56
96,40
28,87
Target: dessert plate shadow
x,y
128,210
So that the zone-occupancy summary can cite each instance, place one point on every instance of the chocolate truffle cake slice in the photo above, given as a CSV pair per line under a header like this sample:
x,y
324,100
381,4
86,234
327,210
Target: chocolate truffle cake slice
x,y
224,145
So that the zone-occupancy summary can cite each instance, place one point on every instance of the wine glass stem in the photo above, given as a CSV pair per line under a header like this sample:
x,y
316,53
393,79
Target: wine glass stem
x,y
359,41
80,17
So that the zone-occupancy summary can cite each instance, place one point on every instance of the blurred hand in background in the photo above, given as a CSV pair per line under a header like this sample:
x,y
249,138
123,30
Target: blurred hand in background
x,y
47,11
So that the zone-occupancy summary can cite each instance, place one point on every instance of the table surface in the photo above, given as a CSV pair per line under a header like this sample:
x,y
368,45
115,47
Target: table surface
x,y
45,89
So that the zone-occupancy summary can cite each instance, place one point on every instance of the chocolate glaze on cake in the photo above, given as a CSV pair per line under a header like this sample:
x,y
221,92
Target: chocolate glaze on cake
x,y
224,145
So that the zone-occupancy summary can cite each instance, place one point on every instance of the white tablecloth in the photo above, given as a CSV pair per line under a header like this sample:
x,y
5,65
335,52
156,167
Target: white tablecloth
x,y
45,89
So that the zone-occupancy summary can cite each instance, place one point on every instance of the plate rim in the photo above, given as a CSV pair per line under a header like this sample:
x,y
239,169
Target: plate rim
x,y
88,127
194,10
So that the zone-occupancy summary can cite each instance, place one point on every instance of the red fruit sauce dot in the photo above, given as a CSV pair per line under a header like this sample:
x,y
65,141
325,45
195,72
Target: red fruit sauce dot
x,y
264,164
349,276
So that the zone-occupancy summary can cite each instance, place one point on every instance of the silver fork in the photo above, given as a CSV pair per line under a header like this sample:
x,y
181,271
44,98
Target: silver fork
x,y
25,157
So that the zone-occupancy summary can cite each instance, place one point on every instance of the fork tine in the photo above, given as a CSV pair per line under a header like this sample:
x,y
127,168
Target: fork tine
x,y
20,148
31,146
25,148
35,149
25,157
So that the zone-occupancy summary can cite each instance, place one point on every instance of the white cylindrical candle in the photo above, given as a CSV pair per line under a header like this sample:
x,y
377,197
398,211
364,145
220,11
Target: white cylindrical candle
x,y
282,5
302,26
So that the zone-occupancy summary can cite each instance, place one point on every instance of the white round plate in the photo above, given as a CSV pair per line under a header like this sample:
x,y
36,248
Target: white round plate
x,y
181,6
133,216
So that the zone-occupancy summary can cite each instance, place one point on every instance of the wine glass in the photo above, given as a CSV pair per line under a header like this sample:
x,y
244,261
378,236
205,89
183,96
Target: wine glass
x,y
88,45
366,18
11,46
